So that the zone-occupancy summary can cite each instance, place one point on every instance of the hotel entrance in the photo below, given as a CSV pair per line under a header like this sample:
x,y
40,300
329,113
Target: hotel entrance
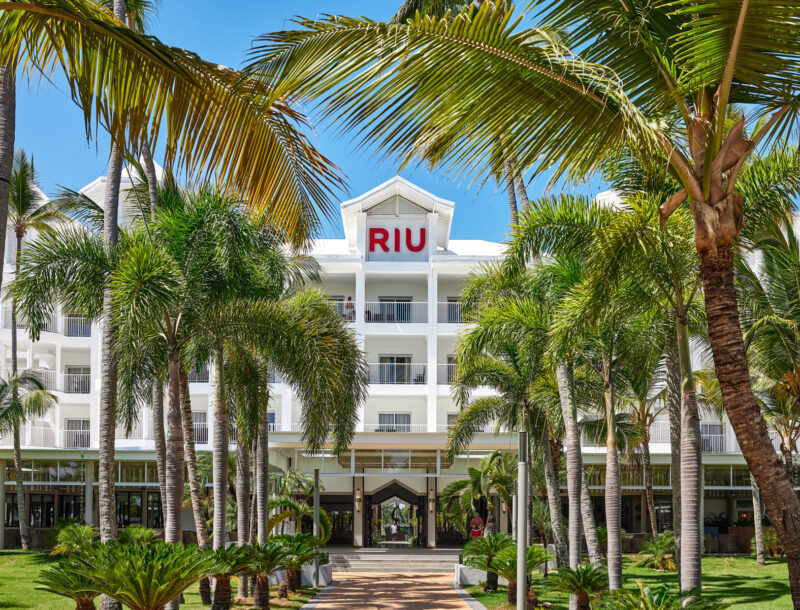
x,y
396,505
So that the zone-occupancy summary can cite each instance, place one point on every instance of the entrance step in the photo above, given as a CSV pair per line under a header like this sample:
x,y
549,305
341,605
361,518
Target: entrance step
x,y
375,560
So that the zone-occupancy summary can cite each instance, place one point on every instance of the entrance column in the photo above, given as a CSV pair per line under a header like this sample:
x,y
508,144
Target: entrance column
x,y
430,513
358,512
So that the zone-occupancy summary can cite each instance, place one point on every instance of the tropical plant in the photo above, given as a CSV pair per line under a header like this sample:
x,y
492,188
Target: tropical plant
x,y
281,509
481,551
582,582
137,535
265,558
63,581
74,539
659,598
659,552
231,561
504,564
664,80
301,549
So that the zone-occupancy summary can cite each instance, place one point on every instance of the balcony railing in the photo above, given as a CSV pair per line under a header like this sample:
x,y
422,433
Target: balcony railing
x,y
200,433
397,373
49,325
659,432
77,439
77,383
200,376
397,312
75,326
450,313
395,428
39,436
445,373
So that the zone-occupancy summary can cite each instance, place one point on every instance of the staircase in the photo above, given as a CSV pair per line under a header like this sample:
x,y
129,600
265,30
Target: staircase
x,y
394,561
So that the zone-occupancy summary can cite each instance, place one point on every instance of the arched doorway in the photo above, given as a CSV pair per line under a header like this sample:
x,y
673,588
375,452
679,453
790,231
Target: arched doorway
x,y
394,502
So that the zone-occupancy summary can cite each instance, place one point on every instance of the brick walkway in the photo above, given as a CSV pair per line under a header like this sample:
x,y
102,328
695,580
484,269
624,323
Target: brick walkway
x,y
372,591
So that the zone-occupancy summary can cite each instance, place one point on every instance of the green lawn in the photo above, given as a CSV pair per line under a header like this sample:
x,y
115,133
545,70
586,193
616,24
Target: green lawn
x,y
736,581
18,569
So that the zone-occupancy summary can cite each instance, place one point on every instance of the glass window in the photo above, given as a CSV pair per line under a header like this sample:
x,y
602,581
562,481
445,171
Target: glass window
x,y
394,422
71,470
131,472
155,514
660,476
451,418
394,369
717,476
77,434
395,460
11,518
42,510
129,508
45,471
152,472
271,421
741,476
630,477
70,507
595,474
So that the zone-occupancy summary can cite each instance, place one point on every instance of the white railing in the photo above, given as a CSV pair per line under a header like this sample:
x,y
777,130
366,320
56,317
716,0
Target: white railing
x,y
659,432
49,379
397,373
712,443
40,436
200,376
77,383
483,429
200,433
395,428
75,326
450,313
445,373
50,325
399,312
77,439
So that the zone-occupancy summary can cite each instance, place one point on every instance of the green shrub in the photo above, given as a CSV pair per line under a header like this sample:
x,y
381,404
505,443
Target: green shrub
x,y
73,539
481,551
772,544
136,534
662,597
659,552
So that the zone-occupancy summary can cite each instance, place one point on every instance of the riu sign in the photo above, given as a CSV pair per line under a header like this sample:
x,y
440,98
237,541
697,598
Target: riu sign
x,y
390,240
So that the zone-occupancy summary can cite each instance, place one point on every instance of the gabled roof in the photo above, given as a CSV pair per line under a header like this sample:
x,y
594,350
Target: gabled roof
x,y
397,187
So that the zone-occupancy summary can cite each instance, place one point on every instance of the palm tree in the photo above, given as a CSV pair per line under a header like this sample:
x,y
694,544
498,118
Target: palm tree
x,y
22,397
663,80
231,561
283,508
302,549
504,564
265,558
583,582
60,580
481,552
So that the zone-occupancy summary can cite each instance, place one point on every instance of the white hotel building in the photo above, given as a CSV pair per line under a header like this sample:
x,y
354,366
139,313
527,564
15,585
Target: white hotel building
x,y
397,275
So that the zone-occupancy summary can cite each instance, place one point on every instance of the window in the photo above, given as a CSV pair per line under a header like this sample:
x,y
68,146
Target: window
x,y
45,471
453,310
11,514
77,326
199,375
155,515
451,419
42,510
77,434
395,369
131,472
394,422
451,368
199,419
395,309
712,438
70,507
77,379
129,508
271,421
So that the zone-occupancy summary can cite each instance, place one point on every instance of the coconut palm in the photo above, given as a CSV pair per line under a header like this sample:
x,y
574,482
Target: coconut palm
x,y
231,561
265,558
480,552
583,582
504,564
661,79
22,398
63,581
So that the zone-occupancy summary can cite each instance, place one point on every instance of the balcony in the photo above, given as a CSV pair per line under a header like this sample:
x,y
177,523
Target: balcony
x,y
445,373
450,312
69,383
395,427
396,312
397,373
49,325
199,376
77,439
75,326
200,433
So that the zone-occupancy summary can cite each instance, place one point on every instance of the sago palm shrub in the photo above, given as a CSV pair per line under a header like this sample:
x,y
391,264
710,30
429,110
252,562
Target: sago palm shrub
x,y
505,564
657,598
301,549
480,552
265,558
583,582
74,539
61,580
231,561
659,552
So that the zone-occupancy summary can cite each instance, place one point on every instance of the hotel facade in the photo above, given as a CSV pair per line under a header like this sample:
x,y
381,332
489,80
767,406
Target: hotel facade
x,y
396,277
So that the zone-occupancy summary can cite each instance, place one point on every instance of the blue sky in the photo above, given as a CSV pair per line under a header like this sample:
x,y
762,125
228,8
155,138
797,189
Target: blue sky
x,y
50,126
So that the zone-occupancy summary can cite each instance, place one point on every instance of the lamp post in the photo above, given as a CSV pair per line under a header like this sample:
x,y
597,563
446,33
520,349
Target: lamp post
x,y
316,524
522,521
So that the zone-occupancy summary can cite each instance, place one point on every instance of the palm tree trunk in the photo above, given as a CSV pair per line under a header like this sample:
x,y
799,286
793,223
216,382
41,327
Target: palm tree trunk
x,y
157,408
251,535
242,502
488,528
757,523
613,491
149,171
262,473
512,197
554,504
691,460
648,482
262,591
569,412
195,490
173,519
730,360
589,526
222,593
786,450
22,499
220,448
673,375
8,114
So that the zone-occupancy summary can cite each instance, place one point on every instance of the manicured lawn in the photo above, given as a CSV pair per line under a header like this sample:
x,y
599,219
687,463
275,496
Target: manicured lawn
x,y
736,581
18,569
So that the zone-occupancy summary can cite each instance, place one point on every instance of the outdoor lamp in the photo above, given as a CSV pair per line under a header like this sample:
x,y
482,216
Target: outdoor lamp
x,y
358,499
431,500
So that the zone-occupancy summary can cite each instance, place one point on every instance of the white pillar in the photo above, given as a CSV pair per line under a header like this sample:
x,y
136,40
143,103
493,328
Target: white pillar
x,y
430,512
2,504
522,521
58,368
29,355
433,292
286,408
88,493
358,512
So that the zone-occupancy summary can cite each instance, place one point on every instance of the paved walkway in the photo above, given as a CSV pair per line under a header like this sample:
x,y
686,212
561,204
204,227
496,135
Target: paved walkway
x,y
373,591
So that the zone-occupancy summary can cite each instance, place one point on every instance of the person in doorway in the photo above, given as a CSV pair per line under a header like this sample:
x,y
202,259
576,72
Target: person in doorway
x,y
393,531
349,309
476,526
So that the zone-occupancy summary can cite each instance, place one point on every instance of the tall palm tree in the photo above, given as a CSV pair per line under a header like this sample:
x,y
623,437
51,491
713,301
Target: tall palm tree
x,y
22,398
663,79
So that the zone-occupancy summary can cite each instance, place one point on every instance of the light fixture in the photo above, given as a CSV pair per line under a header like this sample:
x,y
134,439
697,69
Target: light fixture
x,y
358,499
431,500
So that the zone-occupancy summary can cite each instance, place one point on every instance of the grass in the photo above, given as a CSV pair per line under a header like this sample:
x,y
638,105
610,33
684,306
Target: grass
x,y
18,570
736,581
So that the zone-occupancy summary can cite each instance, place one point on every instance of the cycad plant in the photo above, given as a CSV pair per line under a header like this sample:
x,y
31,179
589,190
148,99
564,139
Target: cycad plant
x,y
504,564
231,561
302,549
657,598
583,582
61,580
265,558
659,552
74,539
481,551
137,534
